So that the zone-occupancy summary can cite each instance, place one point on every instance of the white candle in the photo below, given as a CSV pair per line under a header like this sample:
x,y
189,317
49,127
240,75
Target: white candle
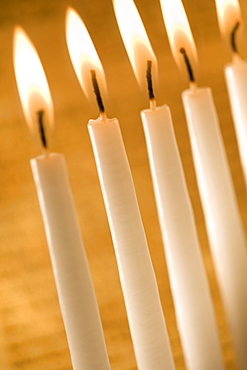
x,y
69,262
144,311
139,286
236,80
235,74
224,226
225,231
192,300
193,304
71,272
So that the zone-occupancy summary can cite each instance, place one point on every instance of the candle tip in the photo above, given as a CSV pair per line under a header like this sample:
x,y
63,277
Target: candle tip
x,y
233,38
193,87
188,65
97,92
40,114
103,116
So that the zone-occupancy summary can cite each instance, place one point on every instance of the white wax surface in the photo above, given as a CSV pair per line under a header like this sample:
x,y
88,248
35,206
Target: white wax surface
x,y
193,304
224,226
72,277
236,81
147,325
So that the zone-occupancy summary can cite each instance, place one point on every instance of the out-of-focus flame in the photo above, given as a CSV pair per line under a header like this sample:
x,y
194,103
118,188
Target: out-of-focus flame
x,y
179,32
229,14
135,39
32,83
83,54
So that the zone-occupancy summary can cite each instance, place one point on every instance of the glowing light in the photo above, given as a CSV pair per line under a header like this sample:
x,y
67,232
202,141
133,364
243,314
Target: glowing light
x,y
179,32
31,82
82,52
135,39
229,14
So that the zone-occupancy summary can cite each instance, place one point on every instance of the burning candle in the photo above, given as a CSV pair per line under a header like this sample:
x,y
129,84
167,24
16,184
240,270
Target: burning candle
x,y
190,290
147,325
71,272
224,226
235,73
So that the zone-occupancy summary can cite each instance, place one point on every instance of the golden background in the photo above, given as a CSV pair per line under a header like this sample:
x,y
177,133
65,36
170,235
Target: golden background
x,y
31,329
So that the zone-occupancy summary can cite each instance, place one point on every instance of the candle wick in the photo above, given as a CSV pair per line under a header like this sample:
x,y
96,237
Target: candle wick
x,y
233,38
40,114
97,92
150,85
188,65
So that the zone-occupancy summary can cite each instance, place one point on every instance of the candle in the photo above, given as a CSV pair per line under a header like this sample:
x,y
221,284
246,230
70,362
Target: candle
x,y
69,262
235,74
144,311
223,223
193,304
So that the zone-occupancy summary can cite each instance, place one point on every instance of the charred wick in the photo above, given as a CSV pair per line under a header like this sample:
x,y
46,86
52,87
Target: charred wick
x,y
40,114
188,65
233,38
149,80
97,92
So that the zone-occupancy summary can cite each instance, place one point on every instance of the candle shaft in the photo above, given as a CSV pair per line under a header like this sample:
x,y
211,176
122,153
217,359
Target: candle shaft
x,y
147,325
72,277
190,290
224,226
236,81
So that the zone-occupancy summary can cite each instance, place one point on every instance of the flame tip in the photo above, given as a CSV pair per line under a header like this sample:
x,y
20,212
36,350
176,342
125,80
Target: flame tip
x,y
70,11
18,30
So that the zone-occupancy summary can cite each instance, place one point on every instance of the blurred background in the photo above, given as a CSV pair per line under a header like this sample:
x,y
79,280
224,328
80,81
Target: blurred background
x,y
31,329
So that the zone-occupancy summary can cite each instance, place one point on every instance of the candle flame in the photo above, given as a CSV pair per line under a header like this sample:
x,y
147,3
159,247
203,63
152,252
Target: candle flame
x,y
179,32
82,52
229,14
32,85
135,38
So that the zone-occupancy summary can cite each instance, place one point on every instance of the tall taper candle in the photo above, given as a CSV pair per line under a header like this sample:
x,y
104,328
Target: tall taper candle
x,y
190,290
230,22
69,262
141,296
192,301
224,225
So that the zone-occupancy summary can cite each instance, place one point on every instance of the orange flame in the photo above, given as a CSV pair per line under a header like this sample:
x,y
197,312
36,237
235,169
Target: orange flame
x,y
82,52
179,32
228,12
135,38
31,82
